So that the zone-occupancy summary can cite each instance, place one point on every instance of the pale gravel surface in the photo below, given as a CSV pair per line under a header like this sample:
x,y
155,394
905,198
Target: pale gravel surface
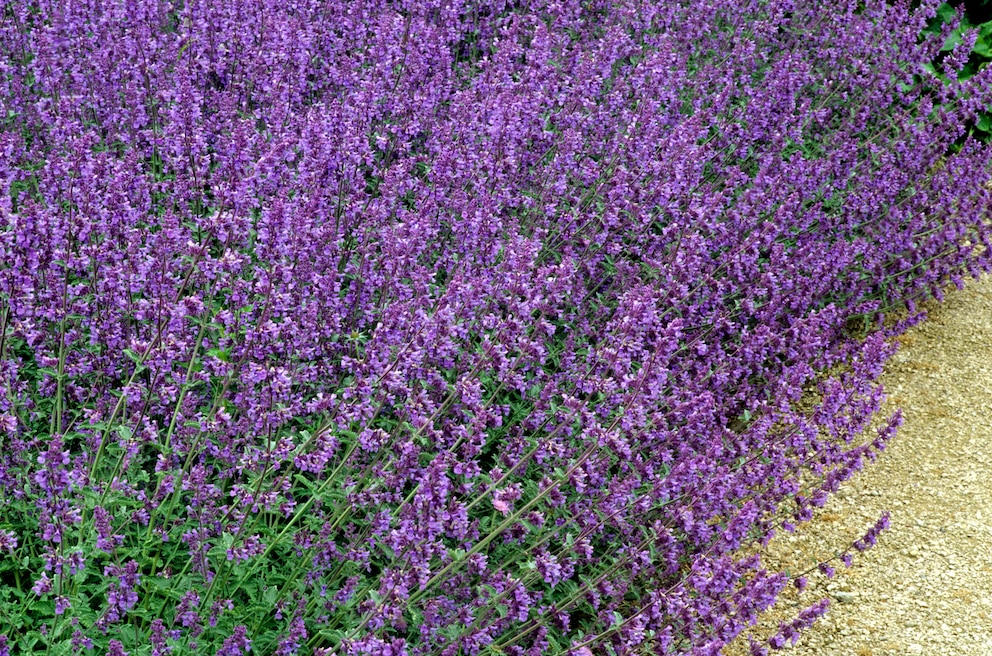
x,y
926,588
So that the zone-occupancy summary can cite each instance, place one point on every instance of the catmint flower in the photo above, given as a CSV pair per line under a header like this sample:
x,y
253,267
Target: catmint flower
x,y
106,541
237,644
790,633
158,636
8,541
551,569
43,585
217,608
122,594
80,641
870,538
503,499
252,546
755,648
186,610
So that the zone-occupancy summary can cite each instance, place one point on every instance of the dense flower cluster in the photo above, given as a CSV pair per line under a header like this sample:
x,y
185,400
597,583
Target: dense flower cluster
x,y
409,327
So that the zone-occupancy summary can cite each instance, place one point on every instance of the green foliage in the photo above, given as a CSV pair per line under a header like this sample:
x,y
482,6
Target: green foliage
x,y
981,53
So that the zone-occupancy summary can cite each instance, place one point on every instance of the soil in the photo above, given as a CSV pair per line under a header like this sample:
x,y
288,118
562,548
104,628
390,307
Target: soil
x,y
926,587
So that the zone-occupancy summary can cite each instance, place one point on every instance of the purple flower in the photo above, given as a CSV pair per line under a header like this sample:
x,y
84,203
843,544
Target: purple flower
x,y
80,641
106,541
122,594
43,585
237,644
8,541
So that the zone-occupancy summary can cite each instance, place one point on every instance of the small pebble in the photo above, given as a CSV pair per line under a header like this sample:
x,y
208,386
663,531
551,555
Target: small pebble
x,y
844,597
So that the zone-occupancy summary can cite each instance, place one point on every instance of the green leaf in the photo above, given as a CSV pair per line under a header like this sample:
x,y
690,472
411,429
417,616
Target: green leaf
x,y
983,45
953,41
334,635
163,586
133,356
220,354
946,13
307,483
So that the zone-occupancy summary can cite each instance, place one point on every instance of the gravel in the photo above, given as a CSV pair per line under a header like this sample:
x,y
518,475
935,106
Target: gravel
x,y
926,588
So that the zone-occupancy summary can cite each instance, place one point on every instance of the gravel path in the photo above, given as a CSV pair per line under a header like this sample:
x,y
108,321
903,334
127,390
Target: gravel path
x,y
926,588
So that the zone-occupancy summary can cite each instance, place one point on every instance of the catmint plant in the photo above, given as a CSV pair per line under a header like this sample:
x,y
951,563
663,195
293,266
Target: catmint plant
x,y
436,328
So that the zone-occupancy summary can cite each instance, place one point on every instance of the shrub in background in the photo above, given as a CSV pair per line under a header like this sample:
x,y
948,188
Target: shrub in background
x,y
451,327
976,18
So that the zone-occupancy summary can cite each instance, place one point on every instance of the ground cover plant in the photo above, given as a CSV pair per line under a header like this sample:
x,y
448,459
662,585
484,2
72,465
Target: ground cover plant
x,y
448,327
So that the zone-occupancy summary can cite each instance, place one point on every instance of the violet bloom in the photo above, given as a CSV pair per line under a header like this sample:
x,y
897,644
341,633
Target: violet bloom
x,y
43,585
237,644
8,541
122,594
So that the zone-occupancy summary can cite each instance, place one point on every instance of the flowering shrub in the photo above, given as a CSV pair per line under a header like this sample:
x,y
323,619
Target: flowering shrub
x,y
977,19
450,327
